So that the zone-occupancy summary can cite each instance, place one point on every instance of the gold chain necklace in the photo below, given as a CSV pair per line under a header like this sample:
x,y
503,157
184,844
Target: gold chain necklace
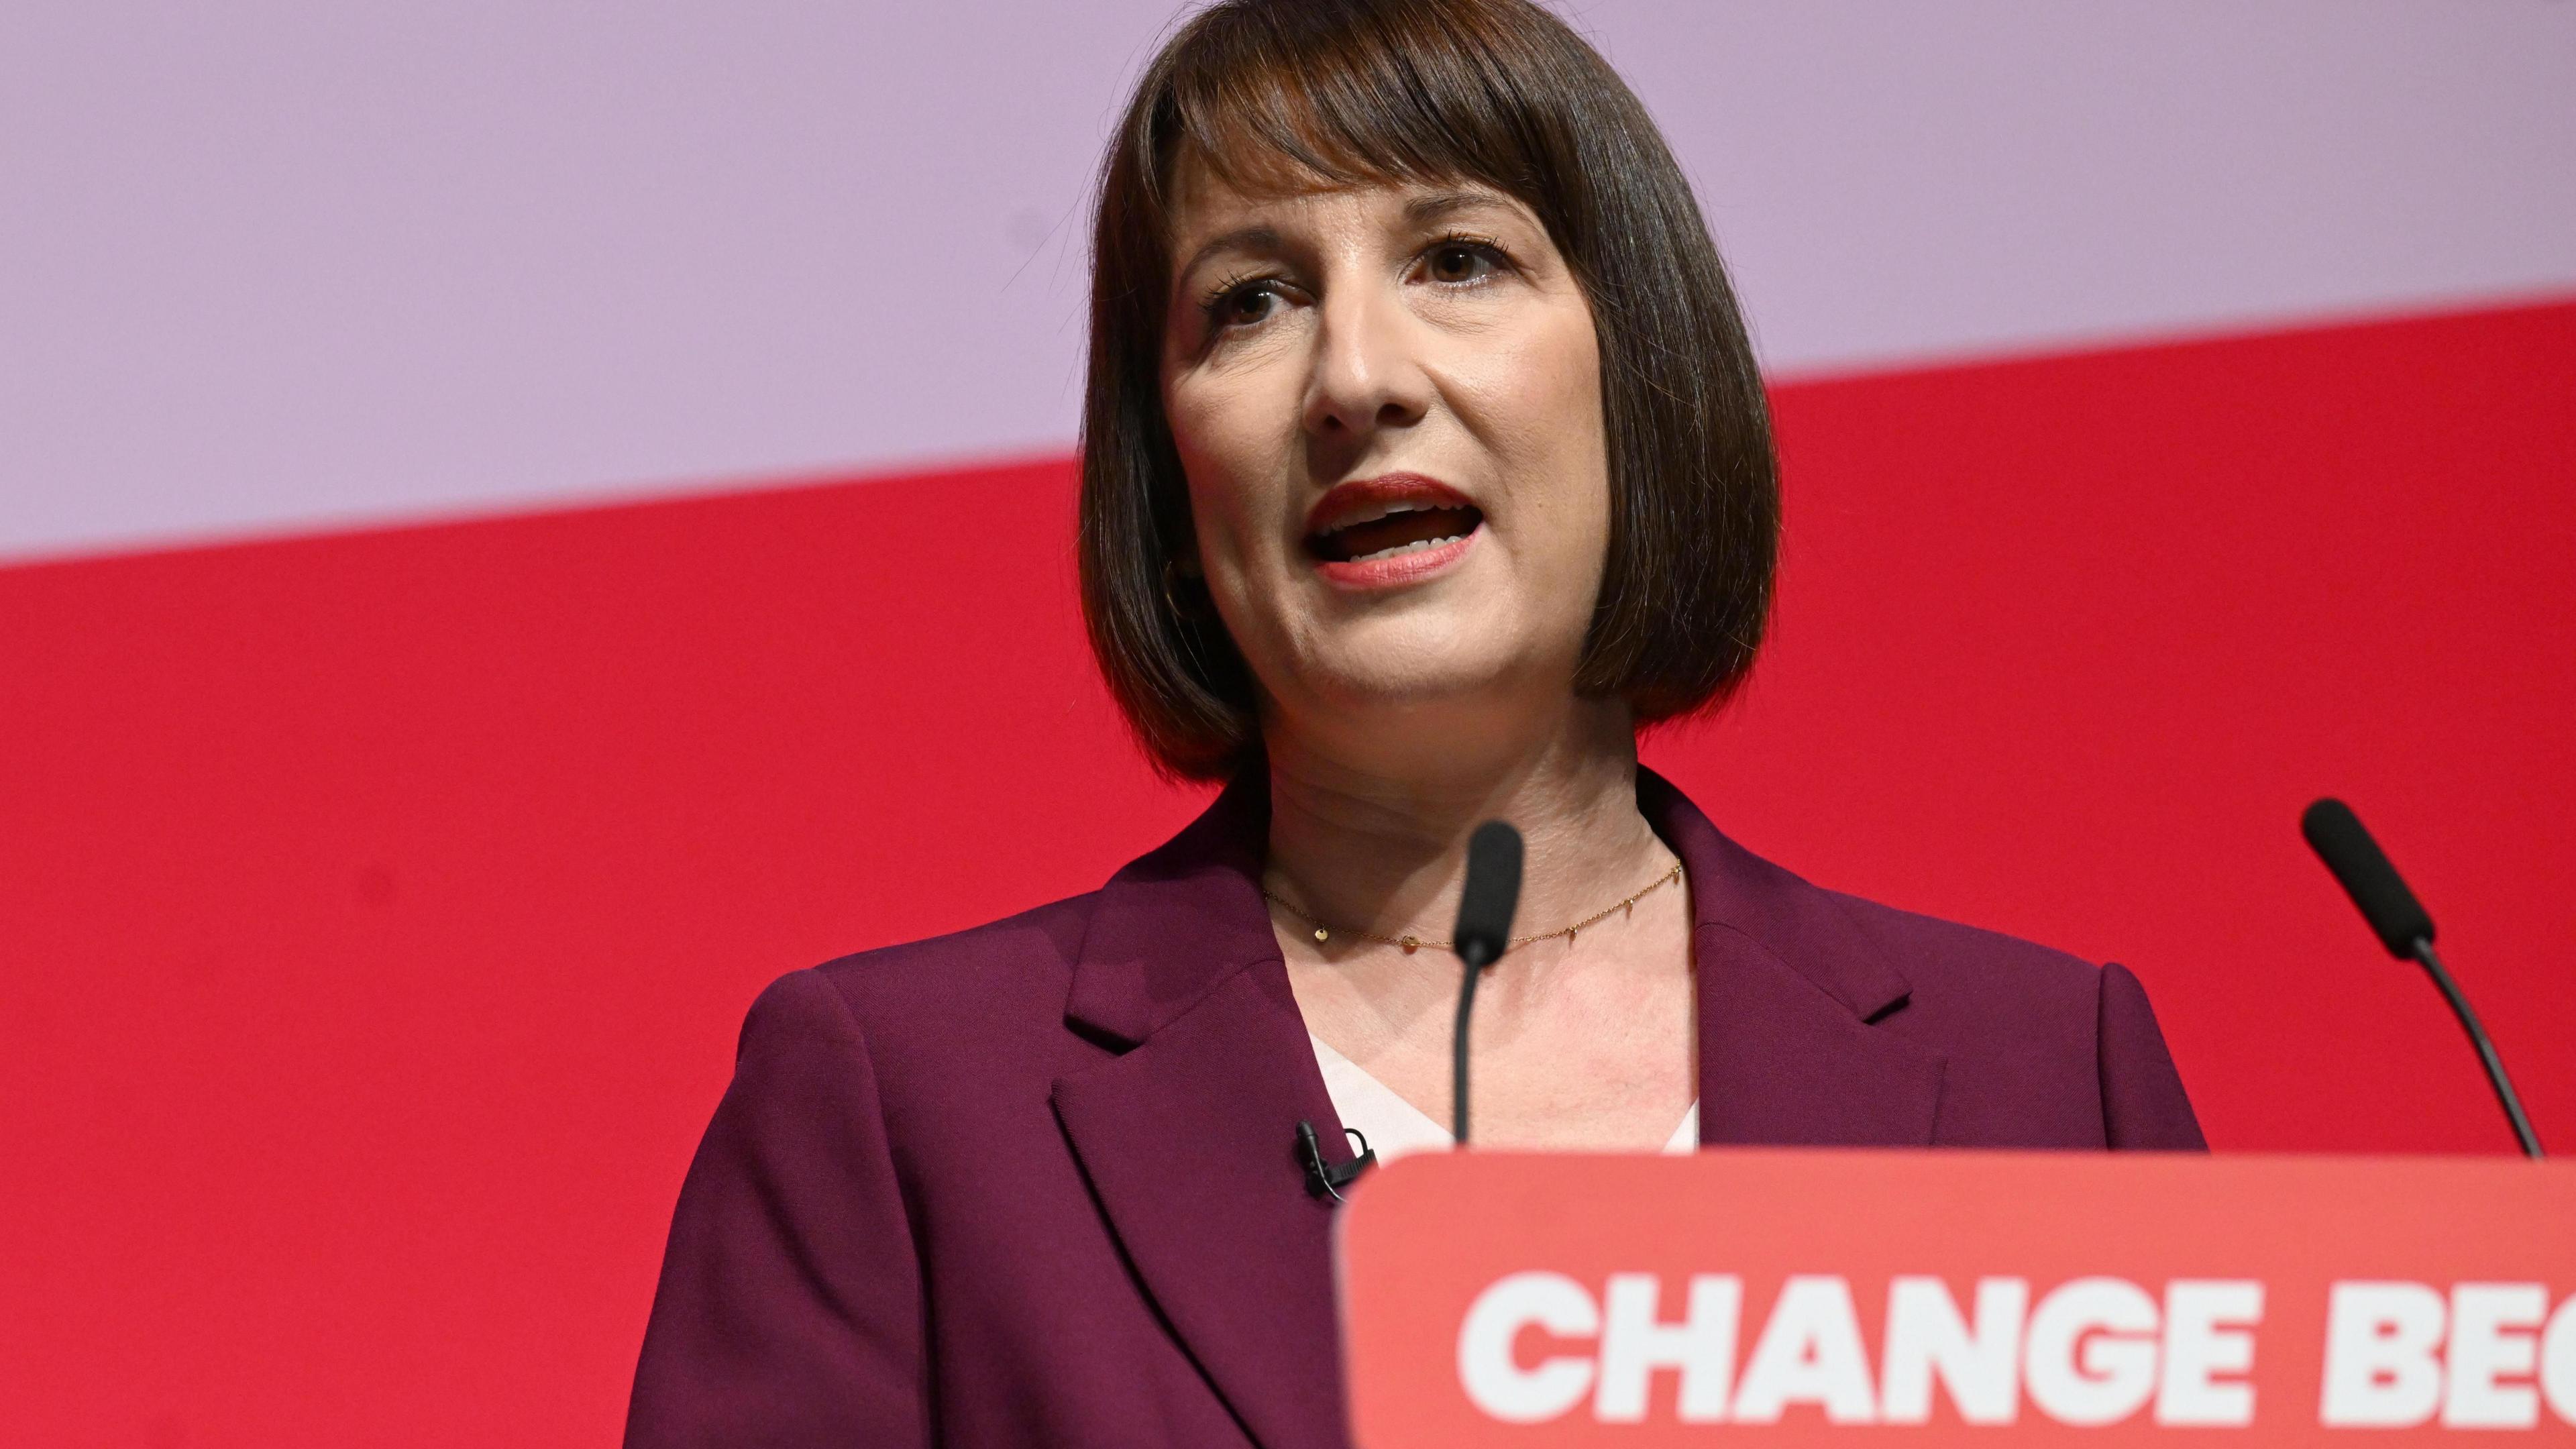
x,y
1412,944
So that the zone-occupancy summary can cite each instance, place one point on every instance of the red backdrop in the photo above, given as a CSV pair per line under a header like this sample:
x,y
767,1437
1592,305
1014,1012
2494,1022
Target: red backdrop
x,y
377,910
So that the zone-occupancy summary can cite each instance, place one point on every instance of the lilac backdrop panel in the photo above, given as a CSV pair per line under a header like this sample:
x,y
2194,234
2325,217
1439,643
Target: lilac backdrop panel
x,y
285,264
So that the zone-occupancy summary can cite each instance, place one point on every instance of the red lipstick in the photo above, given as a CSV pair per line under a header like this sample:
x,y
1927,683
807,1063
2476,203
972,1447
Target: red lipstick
x,y
1393,529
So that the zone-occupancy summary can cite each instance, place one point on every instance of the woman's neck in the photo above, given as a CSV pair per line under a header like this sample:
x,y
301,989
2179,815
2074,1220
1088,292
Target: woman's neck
x,y
1369,833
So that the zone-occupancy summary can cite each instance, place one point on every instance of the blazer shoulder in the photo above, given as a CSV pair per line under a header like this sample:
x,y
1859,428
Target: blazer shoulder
x,y
1944,958
983,1004
978,967
2033,1035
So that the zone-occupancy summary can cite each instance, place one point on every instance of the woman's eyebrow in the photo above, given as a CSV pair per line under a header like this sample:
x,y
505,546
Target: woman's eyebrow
x,y
1441,205
1241,239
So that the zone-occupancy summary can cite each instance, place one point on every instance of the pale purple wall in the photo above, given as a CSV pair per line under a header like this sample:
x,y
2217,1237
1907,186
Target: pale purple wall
x,y
283,263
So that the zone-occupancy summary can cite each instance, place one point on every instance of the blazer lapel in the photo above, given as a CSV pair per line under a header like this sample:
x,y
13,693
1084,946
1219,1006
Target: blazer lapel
x,y
1788,990
1188,1137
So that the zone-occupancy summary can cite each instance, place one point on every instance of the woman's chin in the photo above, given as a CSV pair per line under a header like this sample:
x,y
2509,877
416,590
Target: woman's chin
x,y
1421,667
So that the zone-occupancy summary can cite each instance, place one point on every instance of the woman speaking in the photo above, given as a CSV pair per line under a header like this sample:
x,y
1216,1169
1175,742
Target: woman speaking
x,y
1424,463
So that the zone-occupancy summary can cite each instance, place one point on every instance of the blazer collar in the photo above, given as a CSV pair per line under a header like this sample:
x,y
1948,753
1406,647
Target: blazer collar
x,y
1187,1135
1790,987
1174,924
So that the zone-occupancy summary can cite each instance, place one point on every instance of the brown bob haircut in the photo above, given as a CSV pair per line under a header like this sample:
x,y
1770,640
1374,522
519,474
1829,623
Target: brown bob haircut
x,y
1273,93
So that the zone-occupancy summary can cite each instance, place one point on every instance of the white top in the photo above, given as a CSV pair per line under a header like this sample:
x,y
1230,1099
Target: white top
x,y
1394,1126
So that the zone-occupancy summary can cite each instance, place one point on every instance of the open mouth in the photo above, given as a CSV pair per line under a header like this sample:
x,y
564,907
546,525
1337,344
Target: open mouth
x,y
1392,529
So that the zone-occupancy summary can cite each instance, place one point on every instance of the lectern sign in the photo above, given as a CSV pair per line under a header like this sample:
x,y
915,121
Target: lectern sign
x,y
1921,1298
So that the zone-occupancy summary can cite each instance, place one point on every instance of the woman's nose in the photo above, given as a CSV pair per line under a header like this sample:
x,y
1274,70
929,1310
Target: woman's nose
x,y
1366,372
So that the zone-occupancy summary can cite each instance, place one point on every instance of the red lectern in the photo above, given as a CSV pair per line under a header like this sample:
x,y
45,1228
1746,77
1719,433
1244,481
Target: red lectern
x,y
1792,1297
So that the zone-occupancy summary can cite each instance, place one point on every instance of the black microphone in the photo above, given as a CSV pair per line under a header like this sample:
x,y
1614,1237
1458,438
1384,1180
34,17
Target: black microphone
x,y
1324,1179
1485,906
2403,926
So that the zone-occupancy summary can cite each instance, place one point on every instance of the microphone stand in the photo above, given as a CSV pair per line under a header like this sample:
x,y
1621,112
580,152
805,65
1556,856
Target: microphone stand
x,y
2423,953
1458,1043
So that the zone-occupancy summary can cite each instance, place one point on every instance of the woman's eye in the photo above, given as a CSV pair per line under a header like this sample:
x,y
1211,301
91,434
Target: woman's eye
x,y
1245,305
1461,262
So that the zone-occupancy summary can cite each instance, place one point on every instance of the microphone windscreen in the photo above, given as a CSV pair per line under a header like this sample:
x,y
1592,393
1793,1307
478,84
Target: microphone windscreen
x,y
1492,893
2335,834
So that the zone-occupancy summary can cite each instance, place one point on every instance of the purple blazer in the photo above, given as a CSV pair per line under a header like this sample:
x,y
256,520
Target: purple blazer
x,y
1035,1183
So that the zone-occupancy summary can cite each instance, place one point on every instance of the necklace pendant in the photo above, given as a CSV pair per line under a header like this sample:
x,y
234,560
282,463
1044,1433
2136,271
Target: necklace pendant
x,y
1409,944
1322,935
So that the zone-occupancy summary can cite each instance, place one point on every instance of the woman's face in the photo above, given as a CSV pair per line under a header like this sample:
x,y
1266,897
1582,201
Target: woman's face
x,y
1387,400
